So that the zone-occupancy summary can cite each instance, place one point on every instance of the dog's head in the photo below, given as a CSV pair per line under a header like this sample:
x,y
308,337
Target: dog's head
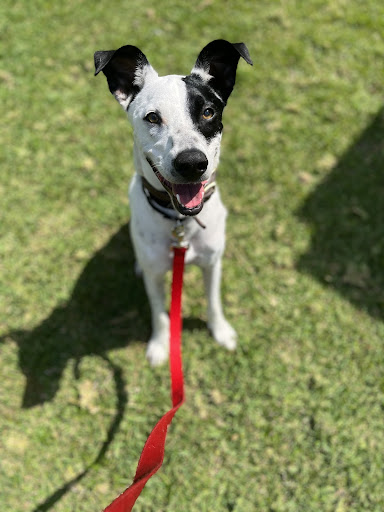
x,y
177,120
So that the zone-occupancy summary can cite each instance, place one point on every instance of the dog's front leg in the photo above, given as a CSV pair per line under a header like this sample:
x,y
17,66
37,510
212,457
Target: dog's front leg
x,y
221,330
158,345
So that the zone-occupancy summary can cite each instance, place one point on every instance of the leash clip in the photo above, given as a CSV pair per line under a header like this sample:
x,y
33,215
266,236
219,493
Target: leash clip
x,y
178,232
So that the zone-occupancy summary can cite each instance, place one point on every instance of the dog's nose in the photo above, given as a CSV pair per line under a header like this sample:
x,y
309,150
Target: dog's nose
x,y
191,164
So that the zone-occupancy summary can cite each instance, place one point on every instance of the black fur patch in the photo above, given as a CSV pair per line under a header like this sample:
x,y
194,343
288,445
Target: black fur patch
x,y
201,96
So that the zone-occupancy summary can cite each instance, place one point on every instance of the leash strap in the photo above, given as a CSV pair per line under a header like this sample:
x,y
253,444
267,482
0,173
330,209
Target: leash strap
x,y
152,455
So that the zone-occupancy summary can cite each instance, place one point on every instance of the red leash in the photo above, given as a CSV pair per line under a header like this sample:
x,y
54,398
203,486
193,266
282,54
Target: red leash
x,y
152,455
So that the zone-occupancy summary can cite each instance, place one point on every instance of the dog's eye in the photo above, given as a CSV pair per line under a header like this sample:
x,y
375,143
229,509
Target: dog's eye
x,y
208,113
153,118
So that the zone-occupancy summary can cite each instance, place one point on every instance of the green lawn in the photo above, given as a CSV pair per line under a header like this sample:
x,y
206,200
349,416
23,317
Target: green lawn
x,y
294,420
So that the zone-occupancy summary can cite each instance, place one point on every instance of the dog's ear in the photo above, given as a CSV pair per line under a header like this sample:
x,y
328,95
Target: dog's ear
x,y
126,70
217,64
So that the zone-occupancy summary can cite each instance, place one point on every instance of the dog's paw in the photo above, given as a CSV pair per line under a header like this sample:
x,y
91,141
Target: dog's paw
x,y
157,352
224,334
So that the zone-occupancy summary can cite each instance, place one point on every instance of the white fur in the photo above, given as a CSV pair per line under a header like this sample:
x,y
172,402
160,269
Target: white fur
x,y
203,73
151,232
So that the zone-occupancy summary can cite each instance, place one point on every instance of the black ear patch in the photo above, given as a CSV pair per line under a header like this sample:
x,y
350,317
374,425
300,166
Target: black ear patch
x,y
219,59
121,68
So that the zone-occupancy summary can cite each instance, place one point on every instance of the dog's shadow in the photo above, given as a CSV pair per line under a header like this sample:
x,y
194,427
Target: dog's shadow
x,y
346,214
107,309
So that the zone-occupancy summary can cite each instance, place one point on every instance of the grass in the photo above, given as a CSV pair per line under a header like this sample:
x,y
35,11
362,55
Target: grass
x,y
293,421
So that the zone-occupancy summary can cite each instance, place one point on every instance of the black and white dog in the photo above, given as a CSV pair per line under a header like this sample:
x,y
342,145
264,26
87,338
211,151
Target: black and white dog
x,y
177,122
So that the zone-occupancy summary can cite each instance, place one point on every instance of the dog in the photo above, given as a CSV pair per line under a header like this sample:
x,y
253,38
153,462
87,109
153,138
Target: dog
x,y
177,124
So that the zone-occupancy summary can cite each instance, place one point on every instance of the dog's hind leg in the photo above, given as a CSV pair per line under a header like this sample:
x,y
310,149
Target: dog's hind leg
x,y
221,330
158,345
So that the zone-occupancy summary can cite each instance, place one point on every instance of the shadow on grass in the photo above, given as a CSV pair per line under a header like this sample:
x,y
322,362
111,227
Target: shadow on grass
x,y
120,408
107,309
346,213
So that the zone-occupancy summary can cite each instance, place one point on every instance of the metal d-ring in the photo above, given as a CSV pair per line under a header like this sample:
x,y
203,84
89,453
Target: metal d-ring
x,y
178,232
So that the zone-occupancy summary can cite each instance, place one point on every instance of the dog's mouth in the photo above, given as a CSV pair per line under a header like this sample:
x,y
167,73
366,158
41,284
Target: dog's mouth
x,y
187,198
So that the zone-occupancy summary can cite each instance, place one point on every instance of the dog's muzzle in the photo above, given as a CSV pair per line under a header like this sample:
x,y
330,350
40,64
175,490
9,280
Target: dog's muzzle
x,y
187,198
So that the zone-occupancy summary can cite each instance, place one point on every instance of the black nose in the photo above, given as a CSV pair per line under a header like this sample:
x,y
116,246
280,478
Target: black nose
x,y
191,164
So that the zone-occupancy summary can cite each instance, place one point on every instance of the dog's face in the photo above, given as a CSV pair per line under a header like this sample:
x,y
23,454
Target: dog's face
x,y
177,125
177,120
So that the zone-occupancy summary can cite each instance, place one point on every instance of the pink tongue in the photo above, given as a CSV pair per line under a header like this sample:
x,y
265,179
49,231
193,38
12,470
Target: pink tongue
x,y
189,195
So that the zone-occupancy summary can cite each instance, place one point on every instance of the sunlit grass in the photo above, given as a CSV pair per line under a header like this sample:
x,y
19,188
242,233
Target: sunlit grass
x,y
293,420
